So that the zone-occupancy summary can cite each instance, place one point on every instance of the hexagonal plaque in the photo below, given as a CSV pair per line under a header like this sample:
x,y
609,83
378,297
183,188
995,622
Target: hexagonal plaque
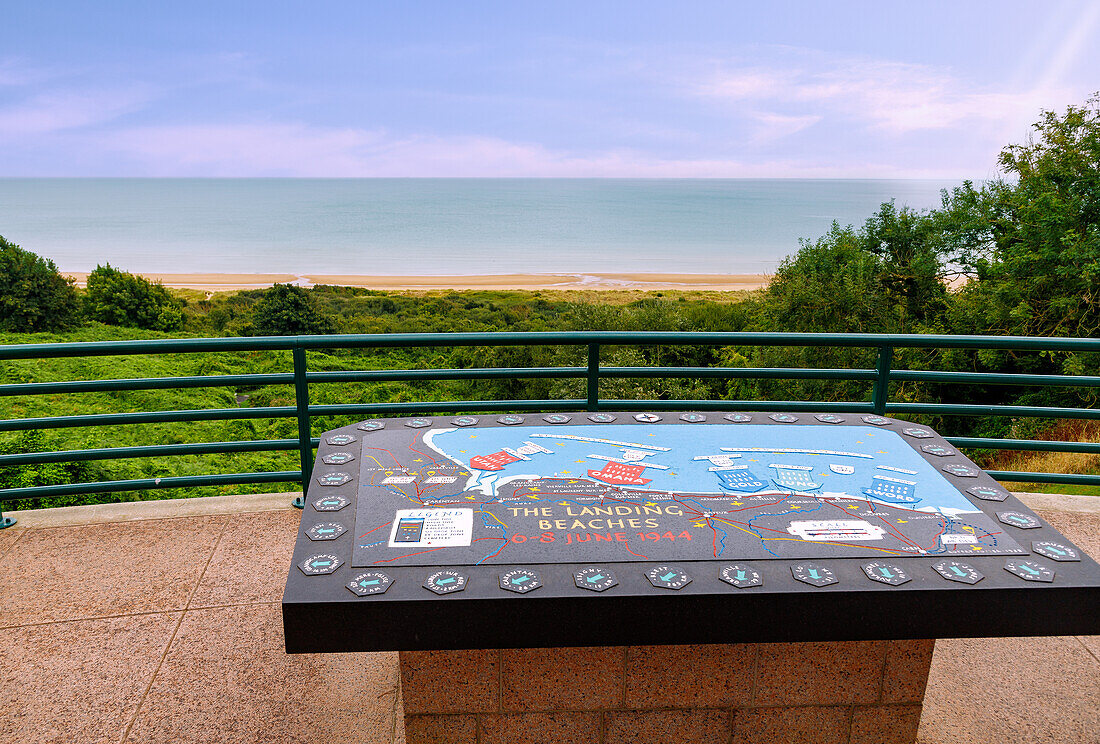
x,y
322,563
340,439
917,433
557,418
960,471
371,582
988,493
510,420
418,423
1029,570
937,450
465,421
814,574
958,571
520,581
372,425
337,458
601,418
886,573
595,578
830,418
738,418
333,479
783,418
446,582
876,420
1019,520
693,418
331,503
326,531
667,577
1055,551
647,418
740,576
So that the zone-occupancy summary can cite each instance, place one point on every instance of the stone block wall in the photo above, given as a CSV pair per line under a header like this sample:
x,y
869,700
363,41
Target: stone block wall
x,y
864,692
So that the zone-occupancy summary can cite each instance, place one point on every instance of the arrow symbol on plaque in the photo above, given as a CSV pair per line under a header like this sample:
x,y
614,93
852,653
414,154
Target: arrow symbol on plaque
x,y
957,571
320,564
448,580
740,575
372,582
1029,569
668,576
1053,549
814,574
521,580
594,579
885,573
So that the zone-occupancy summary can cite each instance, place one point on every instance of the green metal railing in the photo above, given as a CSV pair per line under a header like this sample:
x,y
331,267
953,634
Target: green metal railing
x,y
592,373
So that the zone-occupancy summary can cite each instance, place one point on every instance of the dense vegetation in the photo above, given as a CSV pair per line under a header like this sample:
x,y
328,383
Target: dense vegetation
x,y
1018,255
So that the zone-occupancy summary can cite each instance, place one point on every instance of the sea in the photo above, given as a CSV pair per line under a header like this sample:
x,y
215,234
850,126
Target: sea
x,y
428,227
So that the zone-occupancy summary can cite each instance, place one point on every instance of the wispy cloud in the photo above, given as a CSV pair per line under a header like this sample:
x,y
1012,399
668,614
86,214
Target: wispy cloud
x,y
894,98
306,151
60,110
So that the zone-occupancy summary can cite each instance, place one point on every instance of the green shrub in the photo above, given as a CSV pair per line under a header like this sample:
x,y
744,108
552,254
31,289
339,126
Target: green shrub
x,y
119,298
34,297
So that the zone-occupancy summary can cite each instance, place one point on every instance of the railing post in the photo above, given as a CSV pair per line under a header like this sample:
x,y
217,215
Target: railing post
x,y
882,382
593,376
305,438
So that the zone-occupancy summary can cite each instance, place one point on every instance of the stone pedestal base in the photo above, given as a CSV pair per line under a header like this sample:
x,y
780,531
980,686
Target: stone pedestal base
x,y
864,692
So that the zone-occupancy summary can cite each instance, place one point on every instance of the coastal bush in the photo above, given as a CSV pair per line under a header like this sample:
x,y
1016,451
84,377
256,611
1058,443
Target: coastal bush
x,y
34,297
119,298
1031,242
287,310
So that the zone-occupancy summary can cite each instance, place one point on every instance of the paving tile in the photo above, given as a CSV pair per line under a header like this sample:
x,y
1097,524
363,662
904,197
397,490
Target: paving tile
x,y
885,724
1011,689
1082,528
819,725
587,678
8,537
66,573
78,681
819,673
540,728
227,678
1092,643
667,726
906,673
439,729
450,681
251,561
715,676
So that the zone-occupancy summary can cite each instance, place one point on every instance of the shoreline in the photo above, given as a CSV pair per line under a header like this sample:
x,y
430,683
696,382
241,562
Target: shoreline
x,y
227,282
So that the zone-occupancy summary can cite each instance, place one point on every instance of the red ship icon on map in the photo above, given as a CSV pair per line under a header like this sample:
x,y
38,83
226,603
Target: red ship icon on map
x,y
495,461
620,474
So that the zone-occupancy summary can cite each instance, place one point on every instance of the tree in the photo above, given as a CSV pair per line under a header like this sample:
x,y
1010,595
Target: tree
x,y
832,284
288,310
1031,243
34,297
119,298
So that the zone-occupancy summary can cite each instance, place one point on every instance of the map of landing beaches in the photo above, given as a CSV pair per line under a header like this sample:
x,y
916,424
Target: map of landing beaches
x,y
660,491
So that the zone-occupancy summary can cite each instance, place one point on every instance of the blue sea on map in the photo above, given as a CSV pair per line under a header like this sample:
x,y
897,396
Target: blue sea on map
x,y
436,226
883,453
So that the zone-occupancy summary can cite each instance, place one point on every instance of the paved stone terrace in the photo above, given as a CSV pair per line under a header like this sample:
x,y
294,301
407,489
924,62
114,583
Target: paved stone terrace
x,y
160,622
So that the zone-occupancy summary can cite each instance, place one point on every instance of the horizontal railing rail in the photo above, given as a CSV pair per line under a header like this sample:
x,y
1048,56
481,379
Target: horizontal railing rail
x,y
592,373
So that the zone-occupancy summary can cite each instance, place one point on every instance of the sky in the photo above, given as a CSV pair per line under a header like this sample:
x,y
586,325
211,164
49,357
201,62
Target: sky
x,y
523,89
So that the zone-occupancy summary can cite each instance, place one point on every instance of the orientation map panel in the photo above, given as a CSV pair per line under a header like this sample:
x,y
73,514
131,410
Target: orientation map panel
x,y
618,492
566,529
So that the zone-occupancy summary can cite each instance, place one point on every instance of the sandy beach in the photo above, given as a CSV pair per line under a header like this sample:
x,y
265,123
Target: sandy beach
x,y
229,282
